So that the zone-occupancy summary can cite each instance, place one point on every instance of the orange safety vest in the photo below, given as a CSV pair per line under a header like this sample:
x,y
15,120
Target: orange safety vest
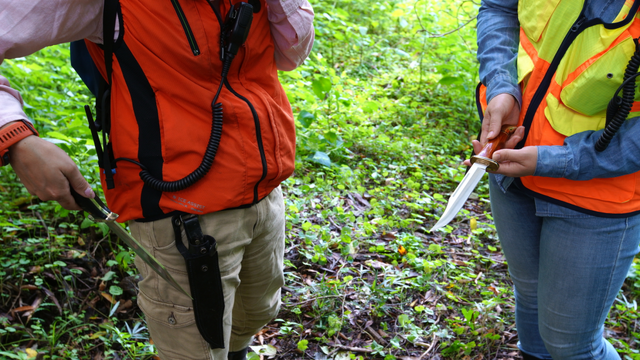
x,y
567,82
166,70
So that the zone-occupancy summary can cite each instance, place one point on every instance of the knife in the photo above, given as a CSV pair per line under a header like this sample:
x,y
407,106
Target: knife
x,y
99,212
480,164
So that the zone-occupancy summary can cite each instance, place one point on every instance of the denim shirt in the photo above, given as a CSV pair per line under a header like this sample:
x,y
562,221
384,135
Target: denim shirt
x,y
576,159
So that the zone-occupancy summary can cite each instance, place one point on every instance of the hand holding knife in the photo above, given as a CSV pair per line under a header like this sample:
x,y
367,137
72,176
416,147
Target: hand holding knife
x,y
481,163
99,212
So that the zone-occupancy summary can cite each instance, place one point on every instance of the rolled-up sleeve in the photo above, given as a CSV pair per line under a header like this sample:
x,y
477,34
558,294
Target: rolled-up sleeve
x,y
577,159
498,38
10,104
292,31
28,26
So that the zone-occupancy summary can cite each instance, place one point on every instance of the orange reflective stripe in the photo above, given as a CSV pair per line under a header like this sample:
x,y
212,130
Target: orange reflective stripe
x,y
634,29
483,97
528,46
635,107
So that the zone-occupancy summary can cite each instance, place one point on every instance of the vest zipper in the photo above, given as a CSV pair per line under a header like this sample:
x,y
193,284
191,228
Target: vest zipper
x,y
187,29
256,121
541,91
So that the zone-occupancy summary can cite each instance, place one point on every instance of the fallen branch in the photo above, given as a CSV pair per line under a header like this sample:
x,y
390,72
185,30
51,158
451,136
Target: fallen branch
x,y
349,348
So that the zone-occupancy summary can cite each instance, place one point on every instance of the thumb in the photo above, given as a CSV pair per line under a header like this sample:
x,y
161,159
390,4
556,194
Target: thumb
x,y
504,155
494,129
80,184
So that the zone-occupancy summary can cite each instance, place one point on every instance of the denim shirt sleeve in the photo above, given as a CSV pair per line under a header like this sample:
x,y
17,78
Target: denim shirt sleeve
x,y
498,38
577,159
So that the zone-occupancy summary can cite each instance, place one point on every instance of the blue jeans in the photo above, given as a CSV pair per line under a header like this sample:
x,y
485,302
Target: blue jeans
x,y
567,268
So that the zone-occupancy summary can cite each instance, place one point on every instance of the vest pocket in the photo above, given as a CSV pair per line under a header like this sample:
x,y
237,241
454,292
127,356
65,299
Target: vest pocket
x,y
590,92
567,121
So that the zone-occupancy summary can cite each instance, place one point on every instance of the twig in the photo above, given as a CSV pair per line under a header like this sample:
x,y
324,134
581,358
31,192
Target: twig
x,y
354,349
44,225
443,34
374,334
317,298
433,343
95,248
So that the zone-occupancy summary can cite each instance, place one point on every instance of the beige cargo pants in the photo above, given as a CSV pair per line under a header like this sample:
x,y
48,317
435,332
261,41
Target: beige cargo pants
x,y
250,249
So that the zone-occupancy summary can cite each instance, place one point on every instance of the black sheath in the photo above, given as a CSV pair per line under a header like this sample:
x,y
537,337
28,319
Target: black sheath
x,y
204,278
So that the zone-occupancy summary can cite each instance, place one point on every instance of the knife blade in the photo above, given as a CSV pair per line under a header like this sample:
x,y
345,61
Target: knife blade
x,y
99,212
480,164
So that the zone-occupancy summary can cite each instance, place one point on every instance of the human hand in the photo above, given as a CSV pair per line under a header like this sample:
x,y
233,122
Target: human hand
x,y
47,171
495,145
514,163
503,109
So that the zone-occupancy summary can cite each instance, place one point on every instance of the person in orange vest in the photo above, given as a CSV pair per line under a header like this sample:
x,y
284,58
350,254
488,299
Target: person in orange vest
x,y
194,121
566,198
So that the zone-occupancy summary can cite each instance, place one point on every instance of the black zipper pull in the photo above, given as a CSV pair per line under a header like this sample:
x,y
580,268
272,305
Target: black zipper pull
x,y
578,24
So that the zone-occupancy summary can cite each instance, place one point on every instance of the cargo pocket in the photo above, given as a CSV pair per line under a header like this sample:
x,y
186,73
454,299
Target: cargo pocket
x,y
173,330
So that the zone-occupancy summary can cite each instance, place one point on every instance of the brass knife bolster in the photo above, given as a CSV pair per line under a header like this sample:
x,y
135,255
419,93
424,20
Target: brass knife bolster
x,y
492,165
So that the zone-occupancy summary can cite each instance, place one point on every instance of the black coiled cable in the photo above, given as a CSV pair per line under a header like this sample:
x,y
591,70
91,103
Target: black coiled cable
x,y
210,152
619,107
205,165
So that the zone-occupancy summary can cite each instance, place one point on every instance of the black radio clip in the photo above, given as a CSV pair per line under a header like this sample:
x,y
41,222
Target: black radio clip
x,y
235,29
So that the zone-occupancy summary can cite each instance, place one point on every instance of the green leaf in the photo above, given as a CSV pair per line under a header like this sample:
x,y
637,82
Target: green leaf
x,y
60,136
321,158
108,276
403,319
401,53
450,80
306,118
397,13
321,87
267,350
303,345
331,136
115,290
86,223
370,106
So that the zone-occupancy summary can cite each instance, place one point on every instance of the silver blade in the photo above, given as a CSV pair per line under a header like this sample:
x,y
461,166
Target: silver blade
x,y
461,194
144,255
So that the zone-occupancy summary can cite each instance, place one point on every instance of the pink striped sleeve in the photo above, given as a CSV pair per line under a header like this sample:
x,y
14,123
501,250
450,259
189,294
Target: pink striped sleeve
x,y
292,31
28,26
10,104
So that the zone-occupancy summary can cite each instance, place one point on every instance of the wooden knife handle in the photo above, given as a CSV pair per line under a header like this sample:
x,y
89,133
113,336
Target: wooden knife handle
x,y
495,144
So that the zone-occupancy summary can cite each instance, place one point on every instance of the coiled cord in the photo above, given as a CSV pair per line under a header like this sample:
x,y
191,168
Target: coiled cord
x,y
619,107
210,152
205,165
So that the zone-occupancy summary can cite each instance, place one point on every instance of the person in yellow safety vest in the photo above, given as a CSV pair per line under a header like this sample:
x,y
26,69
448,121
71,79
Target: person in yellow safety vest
x,y
567,214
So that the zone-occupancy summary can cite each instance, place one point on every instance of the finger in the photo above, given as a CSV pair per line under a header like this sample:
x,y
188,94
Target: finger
x,y
486,122
515,138
79,184
494,128
505,155
477,146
